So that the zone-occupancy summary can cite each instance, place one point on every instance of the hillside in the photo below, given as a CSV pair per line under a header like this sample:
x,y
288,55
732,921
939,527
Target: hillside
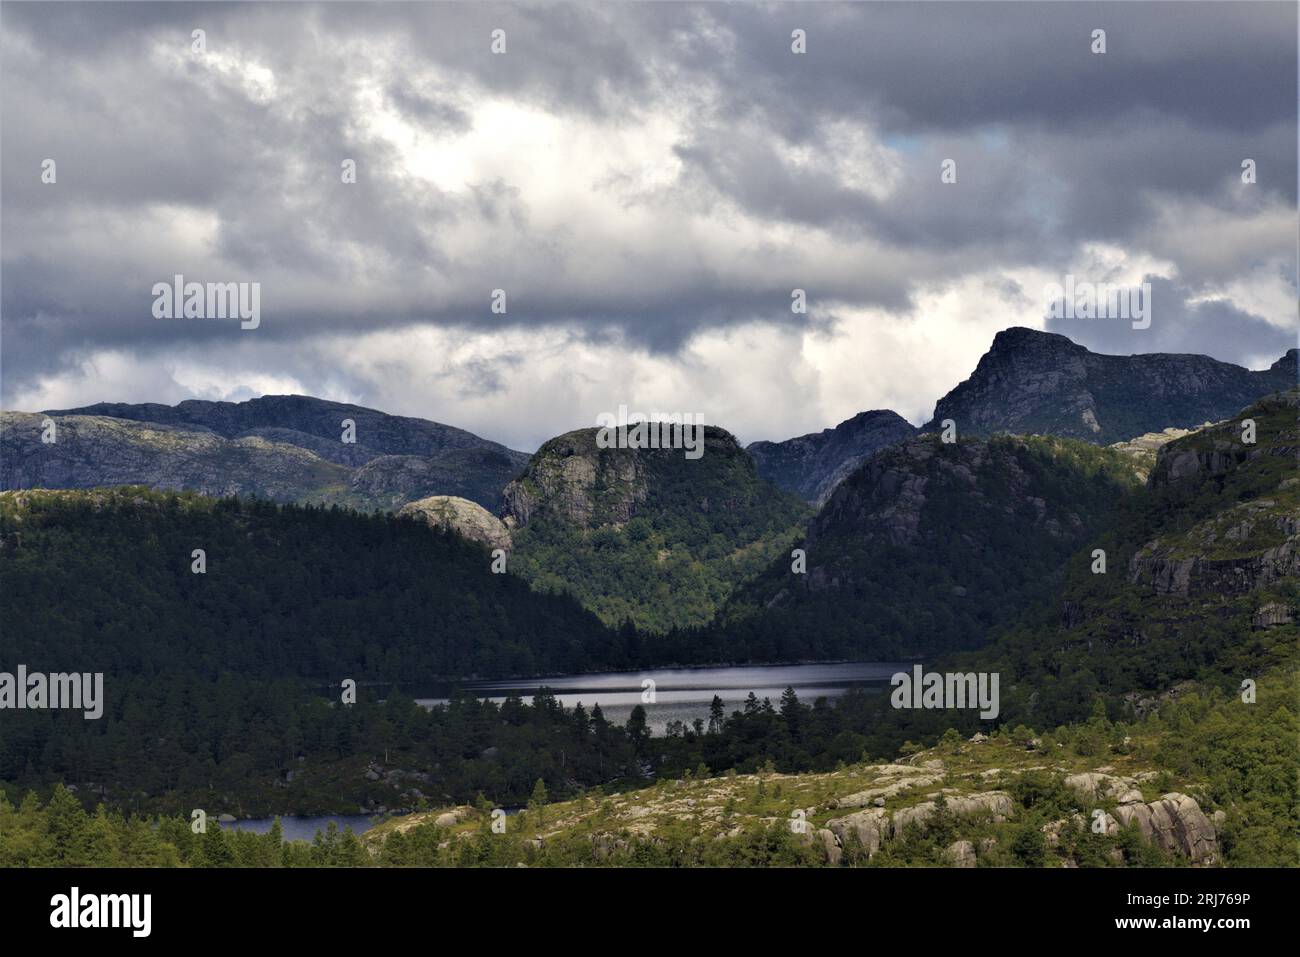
x,y
102,580
1009,799
93,451
812,465
646,536
286,448
929,546
1032,382
1202,580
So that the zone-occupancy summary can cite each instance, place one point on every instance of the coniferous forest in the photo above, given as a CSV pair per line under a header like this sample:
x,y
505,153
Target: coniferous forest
x,y
497,468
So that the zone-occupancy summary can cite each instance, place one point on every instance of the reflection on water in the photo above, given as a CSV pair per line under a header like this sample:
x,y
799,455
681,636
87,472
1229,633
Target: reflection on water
x,y
681,694
685,694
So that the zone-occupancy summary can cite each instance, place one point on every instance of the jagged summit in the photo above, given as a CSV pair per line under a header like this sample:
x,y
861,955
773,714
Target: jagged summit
x,y
1034,382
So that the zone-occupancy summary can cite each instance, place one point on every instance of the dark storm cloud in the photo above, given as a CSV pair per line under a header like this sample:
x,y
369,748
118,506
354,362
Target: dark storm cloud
x,y
927,67
1056,147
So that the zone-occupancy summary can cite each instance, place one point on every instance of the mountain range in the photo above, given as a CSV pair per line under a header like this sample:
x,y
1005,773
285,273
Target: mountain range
x,y
664,542
1128,595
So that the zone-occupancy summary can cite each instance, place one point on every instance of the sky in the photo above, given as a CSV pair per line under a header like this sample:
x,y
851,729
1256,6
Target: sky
x,y
647,183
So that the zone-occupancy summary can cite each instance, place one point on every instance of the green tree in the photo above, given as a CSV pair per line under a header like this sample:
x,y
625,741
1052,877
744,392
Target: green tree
x,y
537,803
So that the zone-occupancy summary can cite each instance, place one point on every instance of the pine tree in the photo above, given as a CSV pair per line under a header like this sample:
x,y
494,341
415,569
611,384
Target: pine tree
x,y
637,731
69,830
539,800
717,716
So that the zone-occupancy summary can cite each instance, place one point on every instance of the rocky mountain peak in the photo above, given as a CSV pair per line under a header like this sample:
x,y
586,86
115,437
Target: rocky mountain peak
x,y
1032,382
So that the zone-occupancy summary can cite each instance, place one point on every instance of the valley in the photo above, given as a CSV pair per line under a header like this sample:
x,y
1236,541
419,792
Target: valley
x,y
977,557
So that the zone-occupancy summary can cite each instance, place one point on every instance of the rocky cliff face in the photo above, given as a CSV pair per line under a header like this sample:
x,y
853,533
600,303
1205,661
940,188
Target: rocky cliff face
x,y
1252,542
1032,382
646,535
287,448
812,465
571,480
1173,822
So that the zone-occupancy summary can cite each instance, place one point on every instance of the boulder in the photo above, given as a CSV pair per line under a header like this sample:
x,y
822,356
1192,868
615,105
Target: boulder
x,y
961,854
1175,823
453,817
995,804
1096,786
870,828
468,519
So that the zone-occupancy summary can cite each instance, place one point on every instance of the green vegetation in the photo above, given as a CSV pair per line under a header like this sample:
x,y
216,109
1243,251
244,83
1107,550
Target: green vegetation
x,y
929,548
216,693
102,581
1240,760
658,541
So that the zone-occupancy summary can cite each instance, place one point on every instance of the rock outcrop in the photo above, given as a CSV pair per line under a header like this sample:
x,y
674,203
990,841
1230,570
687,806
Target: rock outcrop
x,y
1175,823
572,480
1032,382
872,827
1096,786
468,519
611,525
996,806
869,829
812,465
1144,448
1251,543
285,448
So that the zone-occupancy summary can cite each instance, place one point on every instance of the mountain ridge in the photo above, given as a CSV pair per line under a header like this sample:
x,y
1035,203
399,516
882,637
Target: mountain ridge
x,y
812,465
1035,382
286,448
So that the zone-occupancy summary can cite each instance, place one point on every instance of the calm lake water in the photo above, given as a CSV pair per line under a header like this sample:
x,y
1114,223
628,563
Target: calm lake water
x,y
681,694
684,694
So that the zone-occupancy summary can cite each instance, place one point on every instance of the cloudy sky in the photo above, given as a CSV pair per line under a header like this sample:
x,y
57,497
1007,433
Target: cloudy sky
x,y
647,183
